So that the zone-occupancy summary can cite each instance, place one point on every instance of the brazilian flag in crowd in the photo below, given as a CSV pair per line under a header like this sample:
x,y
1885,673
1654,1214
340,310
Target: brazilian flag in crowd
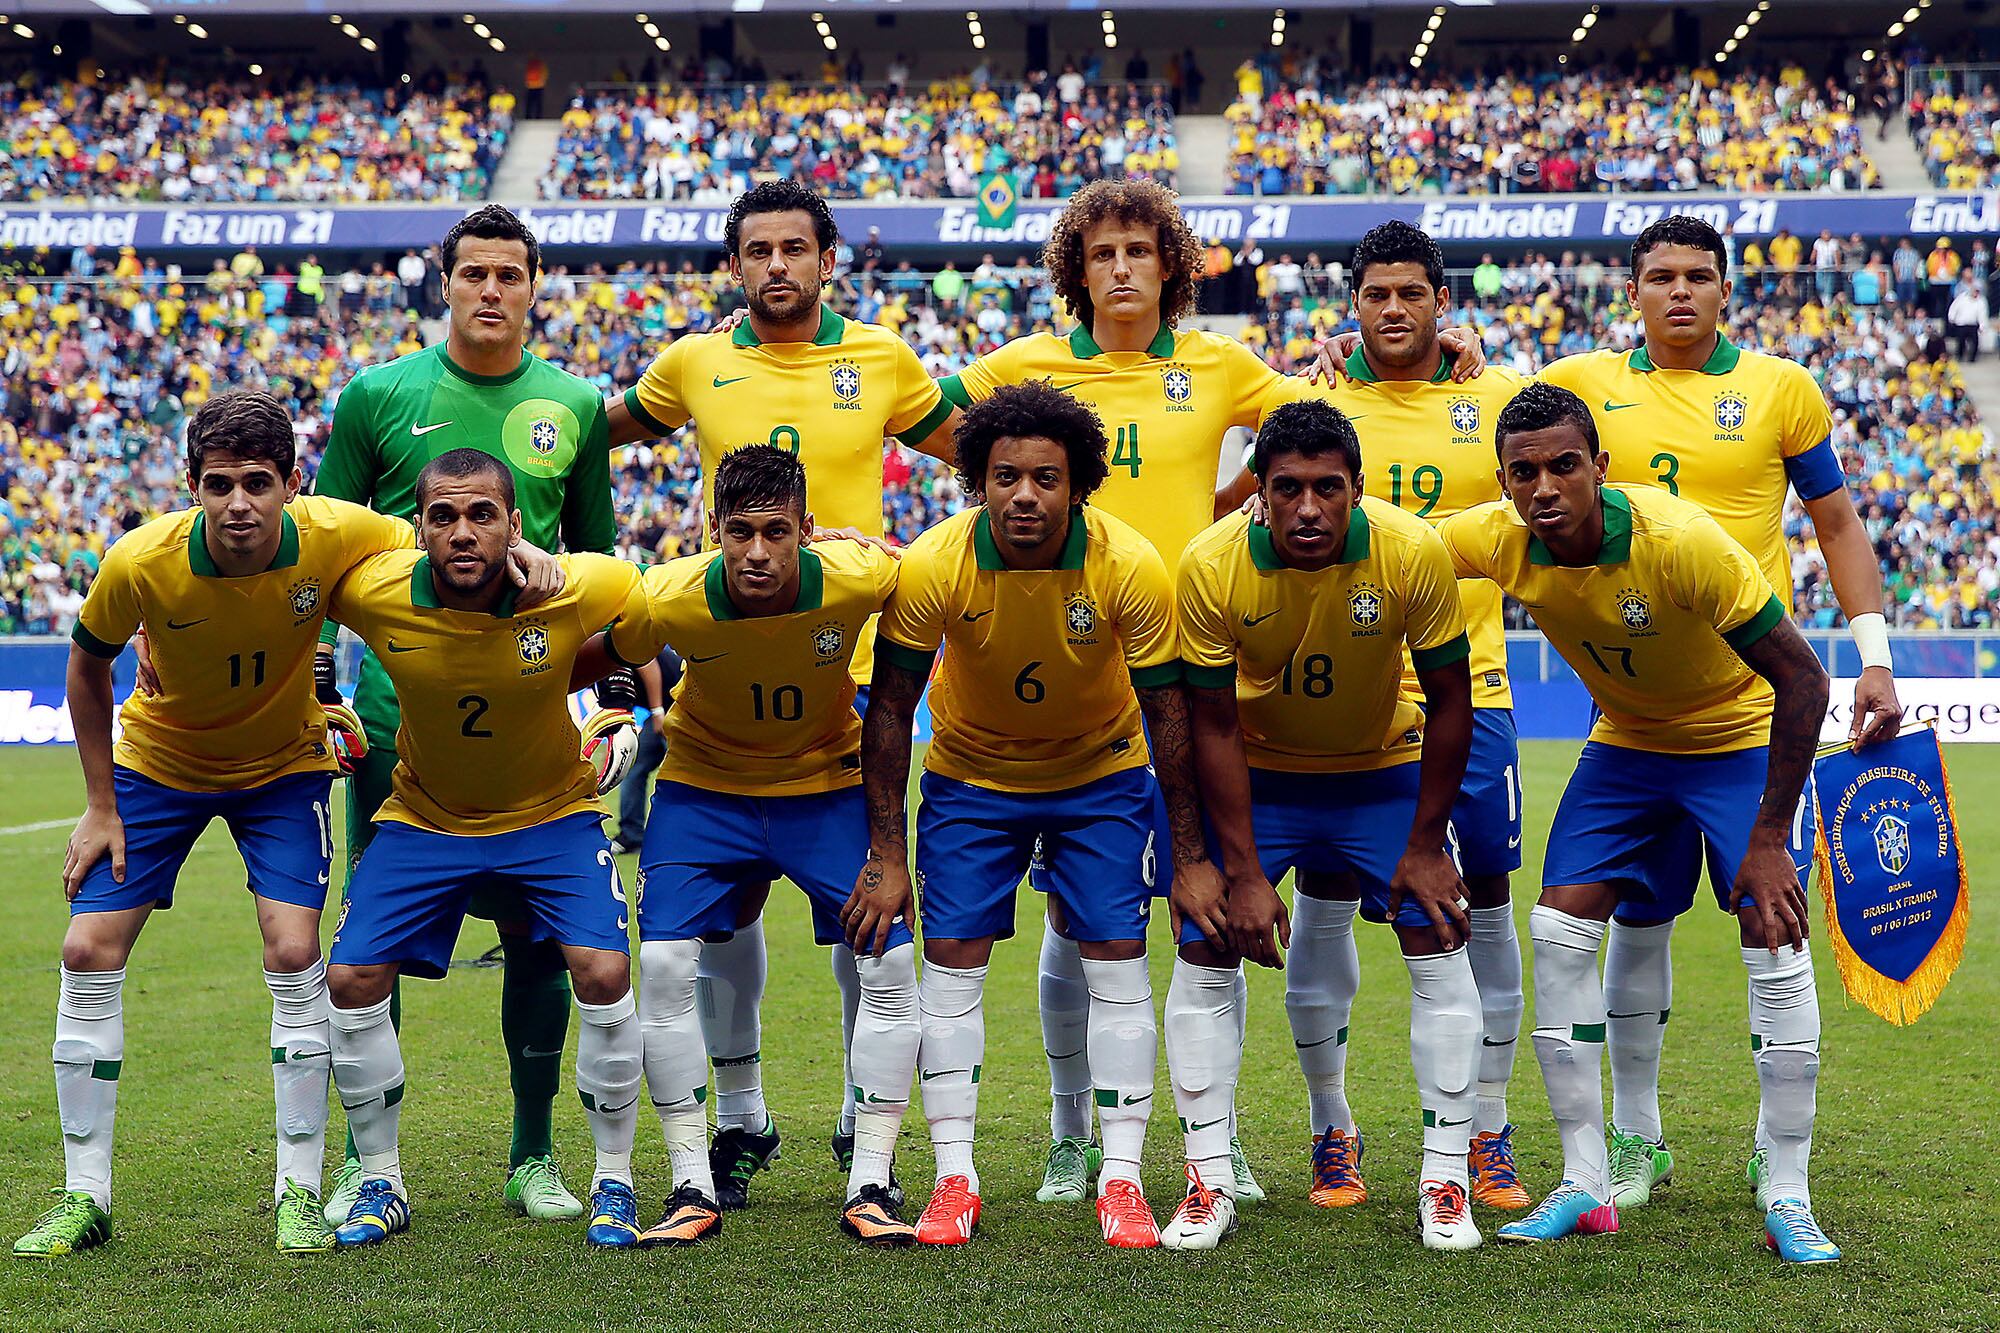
x,y
997,198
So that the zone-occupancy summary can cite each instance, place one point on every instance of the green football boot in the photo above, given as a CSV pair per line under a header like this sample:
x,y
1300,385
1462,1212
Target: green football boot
x,y
1755,1171
536,1188
346,1189
1071,1171
1247,1188
302,1227
77,1223
1637,1168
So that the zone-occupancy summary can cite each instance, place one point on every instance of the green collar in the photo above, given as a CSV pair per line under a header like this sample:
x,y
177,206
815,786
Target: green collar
x,y
203,564
832,328
812,587
986,552
424,593
1264,551
1359,369
1720,362
1617,548
1084,347
487,381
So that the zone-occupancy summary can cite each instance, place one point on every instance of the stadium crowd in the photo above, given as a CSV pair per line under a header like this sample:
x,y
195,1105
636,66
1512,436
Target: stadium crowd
x,y
97,376
1298,126
243,140
1953,128
1051,134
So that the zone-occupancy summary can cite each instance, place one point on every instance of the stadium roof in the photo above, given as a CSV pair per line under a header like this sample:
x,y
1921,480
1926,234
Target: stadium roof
x,y
314,8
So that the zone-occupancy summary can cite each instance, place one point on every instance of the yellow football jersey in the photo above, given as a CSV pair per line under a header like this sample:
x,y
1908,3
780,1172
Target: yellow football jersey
x,y
1165,410
1652,627
1317,657
234,655
766,707
1035,691
487,744
1427,447
831,402
1730,437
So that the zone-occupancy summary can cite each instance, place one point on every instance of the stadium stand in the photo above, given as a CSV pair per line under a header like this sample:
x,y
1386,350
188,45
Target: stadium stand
x,y
1954,133
854,141
133,139
1587,131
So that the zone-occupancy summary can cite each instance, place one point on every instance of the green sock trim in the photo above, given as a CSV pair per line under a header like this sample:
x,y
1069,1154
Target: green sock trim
x,y
534,1023
106,1069
1586,1032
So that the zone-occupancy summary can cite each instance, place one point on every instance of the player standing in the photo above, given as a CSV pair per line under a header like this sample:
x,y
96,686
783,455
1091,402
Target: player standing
x,y
763,778
1428,443
1710,703
1729,430
233,589
488,789
1293,632
828,390
481,390
1058,634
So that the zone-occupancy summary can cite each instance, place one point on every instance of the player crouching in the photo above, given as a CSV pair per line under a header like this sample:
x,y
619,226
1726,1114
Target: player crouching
x,y
1057,626
1312,758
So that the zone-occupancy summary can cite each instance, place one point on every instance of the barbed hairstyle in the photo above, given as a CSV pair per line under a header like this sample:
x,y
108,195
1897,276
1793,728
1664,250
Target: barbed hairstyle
x,y
1680,229
1033,409
1309,427
759,476
1398,242
491,222
780,196
1133,202
1539,407
246,424
462,465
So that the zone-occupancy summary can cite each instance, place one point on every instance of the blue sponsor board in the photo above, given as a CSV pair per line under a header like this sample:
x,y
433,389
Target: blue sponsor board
x,y
1300,221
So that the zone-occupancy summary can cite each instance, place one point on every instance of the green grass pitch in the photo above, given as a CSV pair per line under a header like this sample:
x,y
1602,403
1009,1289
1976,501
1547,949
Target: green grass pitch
x,y
1905,1138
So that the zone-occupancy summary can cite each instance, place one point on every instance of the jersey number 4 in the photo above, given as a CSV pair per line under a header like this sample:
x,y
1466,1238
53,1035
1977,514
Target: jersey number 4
x,y
1125,449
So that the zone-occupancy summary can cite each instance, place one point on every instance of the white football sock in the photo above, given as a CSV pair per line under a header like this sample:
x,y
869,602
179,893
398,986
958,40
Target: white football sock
x,y
609,1057
1638,994
368,1072
952,1047
1495,951
301,1070
1203,1060
1123,1038
675,1060
1322,973
730,983
1784,1034
1065,1007
88,1053
1444,1050
1240,1002
850,1004
1569,1041
884,1057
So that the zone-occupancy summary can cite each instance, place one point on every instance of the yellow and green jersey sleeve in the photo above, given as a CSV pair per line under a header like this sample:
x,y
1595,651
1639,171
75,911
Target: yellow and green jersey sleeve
x,y
1652,628
1427,448
766,704
234,655
1035,689
487,744
1731,437
1316,657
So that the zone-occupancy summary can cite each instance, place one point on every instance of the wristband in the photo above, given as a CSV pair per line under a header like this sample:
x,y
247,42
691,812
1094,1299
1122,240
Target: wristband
x,y
1871,636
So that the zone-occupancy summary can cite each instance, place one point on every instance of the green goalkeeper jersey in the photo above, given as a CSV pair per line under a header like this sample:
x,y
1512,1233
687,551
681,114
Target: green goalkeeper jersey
x,y
546,424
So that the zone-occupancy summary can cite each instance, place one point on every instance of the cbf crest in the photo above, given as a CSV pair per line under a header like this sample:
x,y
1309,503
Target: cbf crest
x,y
1464,416
1731,411
1634,609
827,640
544,434
1080,616
1364,606
305,598
533,641
1177,381
846,376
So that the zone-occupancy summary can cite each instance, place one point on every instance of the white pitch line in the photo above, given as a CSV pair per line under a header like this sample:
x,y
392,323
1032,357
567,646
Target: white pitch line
x,y
40,827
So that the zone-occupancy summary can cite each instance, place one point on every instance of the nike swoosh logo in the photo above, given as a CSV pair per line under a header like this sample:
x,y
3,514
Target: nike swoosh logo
x,y
395,647
1206,1124
722,383
1513,842
873,1100
1134,1101
1449,1124
421,431
1488,1041
186,624
1249,621
1610,406
530,1053
1065,388
697,661
1352,417
927,1075
1308,1045
1609,1014
968,616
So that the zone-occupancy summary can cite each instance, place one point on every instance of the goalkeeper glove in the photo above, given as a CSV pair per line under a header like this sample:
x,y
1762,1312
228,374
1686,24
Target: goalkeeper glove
x,y
345,734
325,687
610,743
619,690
